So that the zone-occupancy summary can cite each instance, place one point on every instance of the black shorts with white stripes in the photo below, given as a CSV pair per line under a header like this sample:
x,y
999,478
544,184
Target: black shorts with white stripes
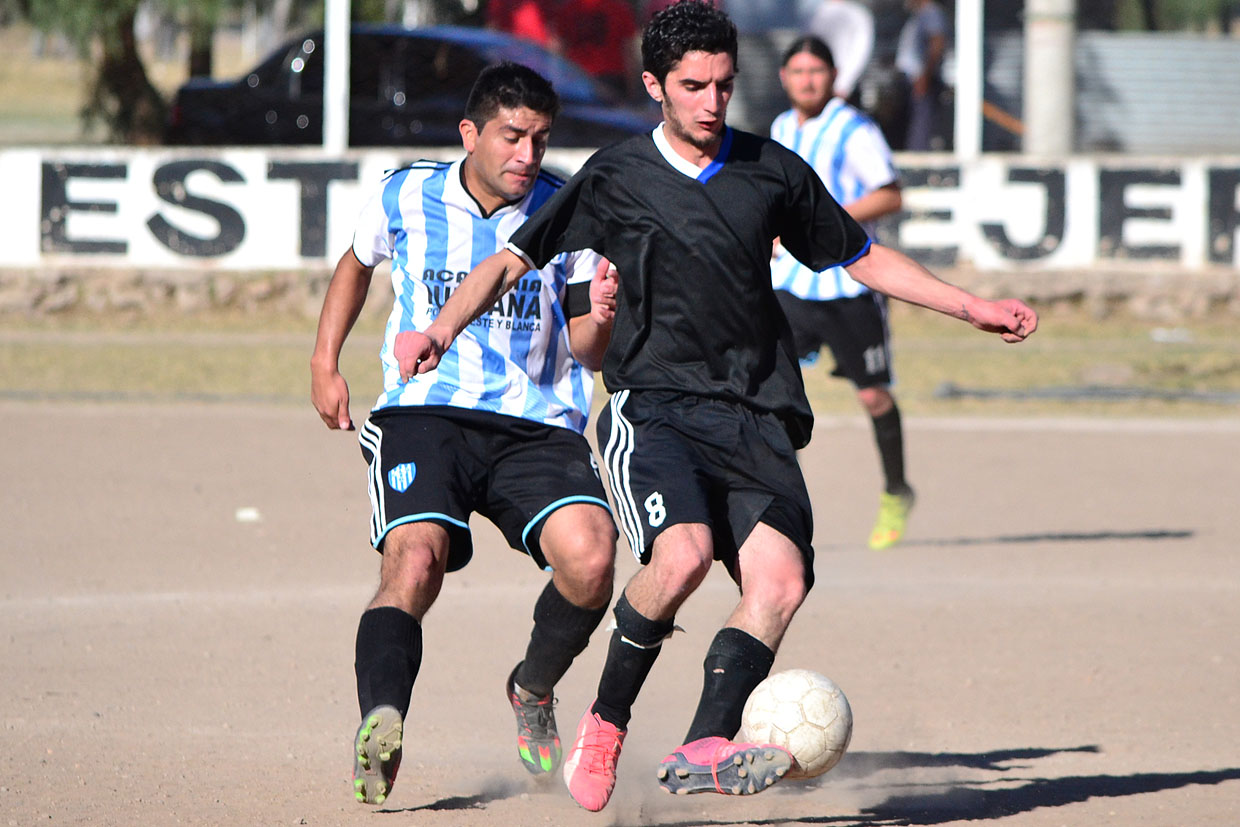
x,y
441,464
676,458
854,328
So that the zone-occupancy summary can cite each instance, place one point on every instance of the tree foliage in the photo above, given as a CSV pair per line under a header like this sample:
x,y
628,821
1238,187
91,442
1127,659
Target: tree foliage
x,y
119,91
1175,15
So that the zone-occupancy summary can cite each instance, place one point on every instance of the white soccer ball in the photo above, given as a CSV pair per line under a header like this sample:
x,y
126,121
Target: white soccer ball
x,y
803,712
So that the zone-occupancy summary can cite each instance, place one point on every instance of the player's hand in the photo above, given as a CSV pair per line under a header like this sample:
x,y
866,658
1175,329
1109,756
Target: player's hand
x,y
1012,319
603,289
330,395
777,249
416,353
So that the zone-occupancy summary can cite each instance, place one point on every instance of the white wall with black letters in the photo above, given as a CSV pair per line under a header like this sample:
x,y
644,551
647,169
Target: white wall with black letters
x,y
252,209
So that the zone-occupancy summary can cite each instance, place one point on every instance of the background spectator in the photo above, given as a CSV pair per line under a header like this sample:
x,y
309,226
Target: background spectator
x,y
600,36
847,27
529,19
919,57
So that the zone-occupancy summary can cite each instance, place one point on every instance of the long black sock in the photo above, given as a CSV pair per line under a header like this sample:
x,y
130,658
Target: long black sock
x,y
561,633
635,644
735,663
889,435
388,654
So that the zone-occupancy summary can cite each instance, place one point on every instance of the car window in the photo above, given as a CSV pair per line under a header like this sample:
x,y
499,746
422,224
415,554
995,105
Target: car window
x,y
569,81
271,73
305,68
375,72
372,60
386,68
401,69
438,68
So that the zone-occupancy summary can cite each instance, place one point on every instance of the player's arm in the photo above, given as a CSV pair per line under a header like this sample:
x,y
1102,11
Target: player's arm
x,y
589,332
346,294
883,201
895,274
420,352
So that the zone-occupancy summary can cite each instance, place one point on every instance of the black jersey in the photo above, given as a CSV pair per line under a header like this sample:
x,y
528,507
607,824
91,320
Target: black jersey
x,y
696,312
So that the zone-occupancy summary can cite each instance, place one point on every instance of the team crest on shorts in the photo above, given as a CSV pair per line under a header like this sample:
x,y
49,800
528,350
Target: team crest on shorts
x,y
401,476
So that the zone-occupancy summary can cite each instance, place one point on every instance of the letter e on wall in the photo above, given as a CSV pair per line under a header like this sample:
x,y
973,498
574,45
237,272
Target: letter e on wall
x,y
171,185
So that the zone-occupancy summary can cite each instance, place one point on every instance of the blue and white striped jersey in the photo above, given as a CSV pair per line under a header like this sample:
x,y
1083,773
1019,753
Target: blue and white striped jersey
x,y
848,152
515,359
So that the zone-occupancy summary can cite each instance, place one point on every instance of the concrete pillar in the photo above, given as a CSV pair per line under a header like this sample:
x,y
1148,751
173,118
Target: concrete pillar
x,y
1050,77
969,79
336,77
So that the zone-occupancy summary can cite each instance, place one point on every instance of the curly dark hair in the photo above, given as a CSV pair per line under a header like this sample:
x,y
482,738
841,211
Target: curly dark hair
x,y
509,85
687,26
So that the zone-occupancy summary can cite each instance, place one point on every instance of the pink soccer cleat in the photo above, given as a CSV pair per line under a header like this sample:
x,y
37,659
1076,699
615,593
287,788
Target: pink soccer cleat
x,y
590,768
717,765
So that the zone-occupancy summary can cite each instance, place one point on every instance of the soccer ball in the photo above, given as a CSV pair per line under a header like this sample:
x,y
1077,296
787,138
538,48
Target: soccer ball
x,y
803,712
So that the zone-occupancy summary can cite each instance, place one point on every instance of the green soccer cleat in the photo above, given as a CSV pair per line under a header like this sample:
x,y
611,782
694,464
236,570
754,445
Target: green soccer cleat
x,y
893,510
538,743
376,754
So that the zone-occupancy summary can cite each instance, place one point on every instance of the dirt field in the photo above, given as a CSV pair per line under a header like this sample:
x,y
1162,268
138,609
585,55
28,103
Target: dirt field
x,y
1054,645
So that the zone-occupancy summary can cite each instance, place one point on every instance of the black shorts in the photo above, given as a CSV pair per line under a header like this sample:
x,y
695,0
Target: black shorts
x,y
854,328
674,458
441,464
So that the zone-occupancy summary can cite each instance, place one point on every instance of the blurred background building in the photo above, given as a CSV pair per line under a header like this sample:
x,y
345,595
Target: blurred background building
x,y
1151,76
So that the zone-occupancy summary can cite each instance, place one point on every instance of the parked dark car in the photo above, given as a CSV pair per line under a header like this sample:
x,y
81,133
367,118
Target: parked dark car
x,y
407,87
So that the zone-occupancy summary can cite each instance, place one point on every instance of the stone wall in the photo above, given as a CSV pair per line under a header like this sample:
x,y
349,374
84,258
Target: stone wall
x,y
31,294
1168,295
1165,295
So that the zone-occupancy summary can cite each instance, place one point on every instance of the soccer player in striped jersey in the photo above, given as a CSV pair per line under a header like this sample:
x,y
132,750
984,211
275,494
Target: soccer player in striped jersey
x,y
707,406
829,308
496,429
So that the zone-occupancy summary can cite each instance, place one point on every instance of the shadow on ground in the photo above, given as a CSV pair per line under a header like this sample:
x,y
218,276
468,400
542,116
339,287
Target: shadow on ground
x,y
1153,534
497,791
861,764
969,802
1056,537
980,800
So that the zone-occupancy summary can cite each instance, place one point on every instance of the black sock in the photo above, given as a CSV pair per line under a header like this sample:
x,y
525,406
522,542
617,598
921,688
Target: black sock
x,y
635,644
388,654
890,438
561,633
735,663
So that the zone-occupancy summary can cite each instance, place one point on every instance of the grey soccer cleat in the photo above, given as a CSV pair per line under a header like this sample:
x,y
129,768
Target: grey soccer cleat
x,y
376,754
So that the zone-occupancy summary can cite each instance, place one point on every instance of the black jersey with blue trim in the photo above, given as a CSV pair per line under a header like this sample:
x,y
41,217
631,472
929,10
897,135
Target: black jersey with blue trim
x,y
696,312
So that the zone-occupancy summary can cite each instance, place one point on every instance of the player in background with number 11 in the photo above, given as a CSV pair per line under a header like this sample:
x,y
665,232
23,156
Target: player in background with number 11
x,y
848,152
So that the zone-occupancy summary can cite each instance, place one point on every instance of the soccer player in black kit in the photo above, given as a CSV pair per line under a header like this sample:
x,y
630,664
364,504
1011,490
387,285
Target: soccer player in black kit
x,y
707,408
